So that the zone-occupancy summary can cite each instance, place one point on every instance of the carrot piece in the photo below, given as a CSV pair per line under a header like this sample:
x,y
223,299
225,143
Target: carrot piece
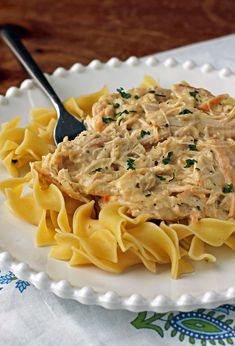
x,y
213,102
106,199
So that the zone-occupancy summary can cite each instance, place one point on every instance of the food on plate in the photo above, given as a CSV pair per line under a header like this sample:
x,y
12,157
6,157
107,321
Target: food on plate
x,y
151,180
154,150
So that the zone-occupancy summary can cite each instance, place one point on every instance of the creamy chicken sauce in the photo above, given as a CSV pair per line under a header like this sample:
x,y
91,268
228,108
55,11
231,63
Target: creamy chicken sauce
x,y
169,153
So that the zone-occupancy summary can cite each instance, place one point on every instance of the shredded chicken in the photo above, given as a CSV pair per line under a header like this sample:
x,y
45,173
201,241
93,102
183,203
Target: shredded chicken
x,y
167,153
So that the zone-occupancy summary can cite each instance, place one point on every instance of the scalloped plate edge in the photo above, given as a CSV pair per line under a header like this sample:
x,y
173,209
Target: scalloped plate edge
x,y
95,64
110,299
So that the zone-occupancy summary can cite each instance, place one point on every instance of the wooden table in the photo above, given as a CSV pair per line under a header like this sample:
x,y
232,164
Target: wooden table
x,y
60,33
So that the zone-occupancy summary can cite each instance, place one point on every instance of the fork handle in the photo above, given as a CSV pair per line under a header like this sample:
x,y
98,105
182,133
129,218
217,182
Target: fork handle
x,y
17,47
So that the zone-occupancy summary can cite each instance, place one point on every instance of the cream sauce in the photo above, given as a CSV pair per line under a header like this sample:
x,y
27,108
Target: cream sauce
x,y
169,153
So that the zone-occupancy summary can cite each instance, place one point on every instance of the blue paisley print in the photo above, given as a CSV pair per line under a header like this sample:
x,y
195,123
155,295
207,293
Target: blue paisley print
x,y
208,327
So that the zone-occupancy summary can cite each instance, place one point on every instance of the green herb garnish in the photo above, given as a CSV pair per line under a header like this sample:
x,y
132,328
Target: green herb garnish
x,y
160,177
120,113
144,133
228,188
131,164
116,105
123,94
107,120
97,170
136,97
148,194
194,94
189,163
167,159
186,111
192,147
198,207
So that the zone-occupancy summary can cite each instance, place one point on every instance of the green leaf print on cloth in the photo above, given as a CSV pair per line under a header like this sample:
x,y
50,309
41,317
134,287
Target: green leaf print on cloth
x,y
209,327
142,322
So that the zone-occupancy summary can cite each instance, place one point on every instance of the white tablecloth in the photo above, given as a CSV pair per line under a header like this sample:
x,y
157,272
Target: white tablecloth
x,y
32,317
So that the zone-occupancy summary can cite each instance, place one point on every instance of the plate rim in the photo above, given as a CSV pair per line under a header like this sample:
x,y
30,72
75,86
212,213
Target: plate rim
x,y
110,299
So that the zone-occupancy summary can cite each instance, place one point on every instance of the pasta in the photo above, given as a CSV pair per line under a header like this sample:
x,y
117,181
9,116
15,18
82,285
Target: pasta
x,y
109,237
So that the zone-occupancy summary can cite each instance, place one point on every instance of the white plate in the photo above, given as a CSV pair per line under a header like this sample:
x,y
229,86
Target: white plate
x,y
136,289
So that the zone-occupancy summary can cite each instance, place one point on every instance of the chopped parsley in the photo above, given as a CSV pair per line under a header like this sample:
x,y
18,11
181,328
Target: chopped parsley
x,y
123,94
228,188
160,177
116,105
107,120
192,147
147,194
144,133
185,111
167,159
194,94
136,97
130,164
189,163
120,113
198,207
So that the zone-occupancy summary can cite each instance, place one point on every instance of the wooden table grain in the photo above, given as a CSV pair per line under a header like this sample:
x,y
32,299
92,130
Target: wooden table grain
x,y
60,33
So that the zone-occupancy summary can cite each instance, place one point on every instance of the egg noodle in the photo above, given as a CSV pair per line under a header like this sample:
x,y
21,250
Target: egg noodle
x,y
112,239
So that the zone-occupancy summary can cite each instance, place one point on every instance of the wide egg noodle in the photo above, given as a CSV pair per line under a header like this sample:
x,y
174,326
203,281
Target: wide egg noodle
x,y
197,251
65,242
10,138
46,231
33,145
148,81
213,231
19,202
96,241
230,241
85,102
125,260
51,198
21,205
8,163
